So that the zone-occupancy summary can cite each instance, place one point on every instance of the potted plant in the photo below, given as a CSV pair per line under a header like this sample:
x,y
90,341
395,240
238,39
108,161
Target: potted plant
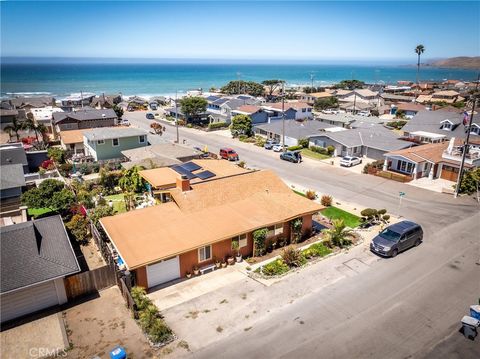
x,y
217,263
224,264
196,271
230,260
236,248
188,274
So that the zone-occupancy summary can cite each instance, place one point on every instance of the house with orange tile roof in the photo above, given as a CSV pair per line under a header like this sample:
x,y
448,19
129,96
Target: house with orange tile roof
x,y
433,160
198,226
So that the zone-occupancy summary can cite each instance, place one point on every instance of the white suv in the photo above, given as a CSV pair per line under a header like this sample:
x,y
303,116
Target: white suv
x,y
349,161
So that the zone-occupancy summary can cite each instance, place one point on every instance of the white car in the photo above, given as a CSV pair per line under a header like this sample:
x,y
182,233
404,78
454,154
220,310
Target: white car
x,y
330,111
278,148
124,123
349,161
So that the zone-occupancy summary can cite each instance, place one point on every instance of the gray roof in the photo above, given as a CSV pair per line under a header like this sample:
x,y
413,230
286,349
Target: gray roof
x,y
375,137
391,96
12,154
431,121
108,133
11,176
34,252
295,129
169,150
347,118
39,101
84,114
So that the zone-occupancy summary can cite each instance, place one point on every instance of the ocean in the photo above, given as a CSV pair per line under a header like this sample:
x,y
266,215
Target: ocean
x,y
164,79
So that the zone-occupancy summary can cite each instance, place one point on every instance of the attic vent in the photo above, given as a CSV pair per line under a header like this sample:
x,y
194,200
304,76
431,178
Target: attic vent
x,y
103,115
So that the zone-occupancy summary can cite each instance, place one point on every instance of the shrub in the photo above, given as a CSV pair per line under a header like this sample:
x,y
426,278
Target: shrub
x,y
369,213
326,200
259,237
150,318
386,217
310,194
294,148
296,227
292,257
317,250
78,227
215,125
276,267
260,141
321,150
372,168
303,142
330,150
338,234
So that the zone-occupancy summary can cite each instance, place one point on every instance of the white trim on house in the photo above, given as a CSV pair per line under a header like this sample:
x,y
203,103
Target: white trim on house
x,y
113,142
200,260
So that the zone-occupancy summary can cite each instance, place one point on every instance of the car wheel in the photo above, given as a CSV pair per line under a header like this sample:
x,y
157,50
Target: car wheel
x,y
417,242
394,253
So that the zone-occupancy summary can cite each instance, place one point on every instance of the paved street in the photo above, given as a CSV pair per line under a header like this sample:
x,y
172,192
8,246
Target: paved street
x,y
409,306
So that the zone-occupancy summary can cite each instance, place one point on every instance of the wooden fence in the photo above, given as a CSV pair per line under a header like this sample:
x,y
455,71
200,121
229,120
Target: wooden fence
x,y
125,293
89,282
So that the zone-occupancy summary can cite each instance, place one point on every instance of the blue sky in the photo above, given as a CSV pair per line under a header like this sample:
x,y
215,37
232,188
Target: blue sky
x,y
241,30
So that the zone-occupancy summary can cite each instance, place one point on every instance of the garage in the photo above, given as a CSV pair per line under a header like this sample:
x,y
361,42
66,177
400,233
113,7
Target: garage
x,y
449,173
163,271
25,301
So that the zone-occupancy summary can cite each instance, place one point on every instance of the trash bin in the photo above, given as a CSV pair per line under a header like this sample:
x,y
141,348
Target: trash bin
x,y
470,326
475,311
118,353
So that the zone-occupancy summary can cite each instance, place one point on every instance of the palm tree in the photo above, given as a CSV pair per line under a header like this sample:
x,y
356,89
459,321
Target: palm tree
x,y
30,125
338,234
419,50
16,126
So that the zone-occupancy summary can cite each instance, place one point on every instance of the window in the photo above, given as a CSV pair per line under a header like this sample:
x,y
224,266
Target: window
x,y
141,139
100,142
475,130
204,253
275,230
115,142
404,166
446,125
241,239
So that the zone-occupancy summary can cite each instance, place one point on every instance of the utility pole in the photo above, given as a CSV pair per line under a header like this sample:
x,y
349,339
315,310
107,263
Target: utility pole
x,y
81,98
466,144
311,79
176,115
283,116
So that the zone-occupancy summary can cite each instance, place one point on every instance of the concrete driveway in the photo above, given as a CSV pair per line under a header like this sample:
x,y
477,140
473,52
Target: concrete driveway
x,y
39,338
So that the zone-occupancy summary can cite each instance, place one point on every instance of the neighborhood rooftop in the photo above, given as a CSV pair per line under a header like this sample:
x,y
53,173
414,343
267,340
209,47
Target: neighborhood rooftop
x,y
84,115
107,133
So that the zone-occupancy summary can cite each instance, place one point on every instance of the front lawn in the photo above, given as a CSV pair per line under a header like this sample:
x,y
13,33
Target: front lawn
x,y
36,212
315,155
118,202
349,219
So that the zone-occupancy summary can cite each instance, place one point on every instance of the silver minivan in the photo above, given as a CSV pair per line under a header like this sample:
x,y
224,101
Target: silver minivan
x,y
397,238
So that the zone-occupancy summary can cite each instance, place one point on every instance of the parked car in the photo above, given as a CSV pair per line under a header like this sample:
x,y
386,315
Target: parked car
x,y
349,161
364,113
156,114
228,154
153,106
290,156
269,144
397,238
150,116
202,152
124,123
278,148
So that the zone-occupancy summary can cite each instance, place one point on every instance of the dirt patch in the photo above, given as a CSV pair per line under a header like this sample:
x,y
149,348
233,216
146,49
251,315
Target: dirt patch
x,y
92,255
96,326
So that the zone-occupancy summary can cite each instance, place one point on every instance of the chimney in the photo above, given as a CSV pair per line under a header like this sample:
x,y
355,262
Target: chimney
x,y
183,183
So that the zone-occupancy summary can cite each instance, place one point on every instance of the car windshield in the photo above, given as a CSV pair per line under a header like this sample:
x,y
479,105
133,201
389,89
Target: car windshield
x,y
231,152
347,158
389,235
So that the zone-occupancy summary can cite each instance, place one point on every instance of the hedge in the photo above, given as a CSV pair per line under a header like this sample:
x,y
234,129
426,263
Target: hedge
x,y
215,125
294,148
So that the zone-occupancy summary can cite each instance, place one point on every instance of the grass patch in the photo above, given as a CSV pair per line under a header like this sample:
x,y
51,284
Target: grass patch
x,y
315,155
35,212
349,219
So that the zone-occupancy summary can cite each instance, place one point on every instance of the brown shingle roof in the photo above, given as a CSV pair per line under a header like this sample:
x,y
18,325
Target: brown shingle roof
x,y
72,136
431,152
148,235
248,108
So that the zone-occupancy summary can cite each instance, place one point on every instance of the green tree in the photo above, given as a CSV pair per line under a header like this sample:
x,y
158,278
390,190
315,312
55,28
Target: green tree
x,y
470,181
272,85
241,125
192,106
419,50
131,181
324,103
109,179
57,154
118,111
339,234
37,128
49,194
243,87
100,212
78,227
16,126
349,84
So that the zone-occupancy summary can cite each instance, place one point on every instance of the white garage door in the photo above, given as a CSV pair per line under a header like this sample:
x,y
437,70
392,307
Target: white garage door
x,y
163,272
28,300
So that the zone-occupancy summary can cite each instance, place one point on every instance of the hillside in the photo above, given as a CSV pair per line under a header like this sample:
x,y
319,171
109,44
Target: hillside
x,y
462,62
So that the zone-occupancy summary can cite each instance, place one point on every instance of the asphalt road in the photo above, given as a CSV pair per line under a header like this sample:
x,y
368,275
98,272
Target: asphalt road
x,y
409,306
